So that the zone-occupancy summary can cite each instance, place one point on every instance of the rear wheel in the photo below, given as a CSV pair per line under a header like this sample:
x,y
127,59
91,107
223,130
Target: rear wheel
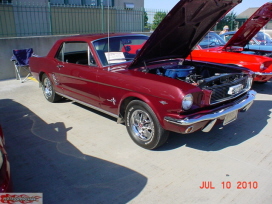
x,y
143,126
48,90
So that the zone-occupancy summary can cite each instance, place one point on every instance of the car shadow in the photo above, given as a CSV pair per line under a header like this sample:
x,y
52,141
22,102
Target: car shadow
x,y
95,111
265,88
43,160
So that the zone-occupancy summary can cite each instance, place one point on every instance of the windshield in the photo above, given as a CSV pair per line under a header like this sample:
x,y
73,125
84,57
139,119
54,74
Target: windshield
x,y
211,40
118,49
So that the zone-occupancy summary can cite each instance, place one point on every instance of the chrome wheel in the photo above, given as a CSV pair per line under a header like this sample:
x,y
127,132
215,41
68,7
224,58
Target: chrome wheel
x,y
47,88
142,125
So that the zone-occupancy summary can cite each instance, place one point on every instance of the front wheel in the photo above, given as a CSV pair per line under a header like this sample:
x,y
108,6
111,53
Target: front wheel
x,y
48,90
143,126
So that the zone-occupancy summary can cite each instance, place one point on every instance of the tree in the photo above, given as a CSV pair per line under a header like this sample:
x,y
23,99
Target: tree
x,y
157,19
145,19
228,20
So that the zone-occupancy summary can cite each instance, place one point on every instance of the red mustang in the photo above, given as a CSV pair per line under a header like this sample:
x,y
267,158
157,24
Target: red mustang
x,y
146,83
214,49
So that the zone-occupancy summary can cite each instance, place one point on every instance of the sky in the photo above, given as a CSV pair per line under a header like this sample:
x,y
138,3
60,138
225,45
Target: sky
x,y
168,4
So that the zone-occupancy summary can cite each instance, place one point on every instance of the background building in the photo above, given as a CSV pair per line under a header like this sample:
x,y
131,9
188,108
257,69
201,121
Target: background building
x,y
57,17
242,17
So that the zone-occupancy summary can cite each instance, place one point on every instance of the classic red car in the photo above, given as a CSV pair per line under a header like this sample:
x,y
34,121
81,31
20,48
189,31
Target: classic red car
x,y
5,181
153,90
235,51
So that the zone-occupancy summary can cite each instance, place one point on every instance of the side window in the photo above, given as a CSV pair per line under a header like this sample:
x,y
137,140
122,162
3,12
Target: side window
x,y
75,53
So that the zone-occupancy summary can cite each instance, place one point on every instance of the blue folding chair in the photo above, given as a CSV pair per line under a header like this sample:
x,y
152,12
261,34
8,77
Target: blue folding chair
x,y
21,61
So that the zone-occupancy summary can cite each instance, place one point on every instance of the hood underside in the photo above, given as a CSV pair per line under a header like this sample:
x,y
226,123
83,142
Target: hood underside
x,y
183,27
251,27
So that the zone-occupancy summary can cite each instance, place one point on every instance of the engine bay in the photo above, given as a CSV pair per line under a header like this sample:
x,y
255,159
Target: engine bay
x,y
202,76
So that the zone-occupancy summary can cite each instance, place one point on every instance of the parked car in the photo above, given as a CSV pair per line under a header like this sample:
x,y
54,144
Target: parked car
x,y
235,51
263,38
152,89
5,180
253,44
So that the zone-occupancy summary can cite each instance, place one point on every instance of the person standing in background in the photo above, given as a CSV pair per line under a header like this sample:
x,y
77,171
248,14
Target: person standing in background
x,y
225,29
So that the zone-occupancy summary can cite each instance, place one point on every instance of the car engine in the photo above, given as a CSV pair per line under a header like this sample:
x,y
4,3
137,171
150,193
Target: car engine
x,y
223,82
203,78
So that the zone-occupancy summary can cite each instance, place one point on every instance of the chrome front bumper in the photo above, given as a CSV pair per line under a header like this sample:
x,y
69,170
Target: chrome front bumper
x,y
263,73
243,106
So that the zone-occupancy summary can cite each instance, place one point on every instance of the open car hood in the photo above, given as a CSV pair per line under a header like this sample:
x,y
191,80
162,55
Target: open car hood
x,y
251,27
183,27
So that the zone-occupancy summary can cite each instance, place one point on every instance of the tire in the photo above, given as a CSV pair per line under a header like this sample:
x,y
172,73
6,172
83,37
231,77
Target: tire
x,y
48,90
143,126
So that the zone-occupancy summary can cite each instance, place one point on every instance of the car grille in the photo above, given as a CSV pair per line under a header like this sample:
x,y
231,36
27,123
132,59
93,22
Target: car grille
x,y
220,92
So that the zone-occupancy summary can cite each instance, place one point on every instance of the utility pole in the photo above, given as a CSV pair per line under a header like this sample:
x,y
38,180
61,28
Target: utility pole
x,y
102,16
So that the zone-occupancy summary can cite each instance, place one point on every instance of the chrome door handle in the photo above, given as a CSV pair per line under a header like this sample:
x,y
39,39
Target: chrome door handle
x,y
60,66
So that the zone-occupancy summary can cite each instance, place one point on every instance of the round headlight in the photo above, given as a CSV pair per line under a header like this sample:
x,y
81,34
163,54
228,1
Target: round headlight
x,y
187,102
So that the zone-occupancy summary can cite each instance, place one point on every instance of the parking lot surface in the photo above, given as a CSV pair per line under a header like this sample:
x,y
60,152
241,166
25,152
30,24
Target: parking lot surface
x,y
73,154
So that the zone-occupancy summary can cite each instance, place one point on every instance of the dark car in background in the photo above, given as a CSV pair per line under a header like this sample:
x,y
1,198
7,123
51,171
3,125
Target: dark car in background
x,y
263,38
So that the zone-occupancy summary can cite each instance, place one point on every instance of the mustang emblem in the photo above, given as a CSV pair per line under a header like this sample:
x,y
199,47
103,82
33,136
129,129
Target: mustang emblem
x,y
235,89
112,100
163,102
55,79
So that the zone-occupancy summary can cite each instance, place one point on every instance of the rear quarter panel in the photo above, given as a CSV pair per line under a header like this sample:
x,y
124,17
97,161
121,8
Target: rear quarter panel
x,y
38,65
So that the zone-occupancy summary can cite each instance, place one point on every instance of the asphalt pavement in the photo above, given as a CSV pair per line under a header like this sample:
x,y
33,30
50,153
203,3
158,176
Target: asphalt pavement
x,y
73,154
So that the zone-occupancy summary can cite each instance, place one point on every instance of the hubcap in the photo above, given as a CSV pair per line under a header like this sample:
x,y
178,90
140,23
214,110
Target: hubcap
x,y
47,88
142,125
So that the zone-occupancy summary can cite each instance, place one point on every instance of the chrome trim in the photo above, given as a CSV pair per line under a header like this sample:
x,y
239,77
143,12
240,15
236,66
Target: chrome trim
x,y
88,55
230,97
243,105
247,88
88,105
263,74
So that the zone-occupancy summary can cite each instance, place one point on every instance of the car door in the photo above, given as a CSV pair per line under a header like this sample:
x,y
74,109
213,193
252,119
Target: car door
x,y
78,72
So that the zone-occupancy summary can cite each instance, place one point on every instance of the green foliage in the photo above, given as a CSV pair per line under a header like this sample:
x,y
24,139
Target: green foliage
x,y
145,19
157,19
228,20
